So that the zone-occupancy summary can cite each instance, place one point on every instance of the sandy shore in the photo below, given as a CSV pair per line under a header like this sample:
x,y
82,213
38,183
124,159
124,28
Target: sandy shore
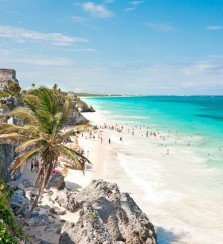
x,y
162,174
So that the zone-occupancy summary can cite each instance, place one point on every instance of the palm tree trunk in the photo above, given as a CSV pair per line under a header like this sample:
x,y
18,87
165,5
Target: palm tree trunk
x,y
43,182
35,202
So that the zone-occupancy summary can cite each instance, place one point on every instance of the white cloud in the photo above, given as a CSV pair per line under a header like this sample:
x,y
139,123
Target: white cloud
x,y
97,10
214,27
136,2
23,35
210,67
78,19
18,57
51,61
132,5
163,27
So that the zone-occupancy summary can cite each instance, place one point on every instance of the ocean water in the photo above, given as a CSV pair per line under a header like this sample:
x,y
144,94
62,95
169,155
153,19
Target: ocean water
x,y
183,196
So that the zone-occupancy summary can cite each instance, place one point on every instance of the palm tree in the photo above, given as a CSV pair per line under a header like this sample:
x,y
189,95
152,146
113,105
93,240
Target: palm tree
x,y
55,87
42,136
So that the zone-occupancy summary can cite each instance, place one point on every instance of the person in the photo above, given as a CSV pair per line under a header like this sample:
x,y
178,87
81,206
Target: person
x,y
32,165
109,141
36,165
101,139
120,138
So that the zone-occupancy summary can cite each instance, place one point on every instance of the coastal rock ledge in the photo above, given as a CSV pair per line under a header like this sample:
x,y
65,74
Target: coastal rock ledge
x,y
107,216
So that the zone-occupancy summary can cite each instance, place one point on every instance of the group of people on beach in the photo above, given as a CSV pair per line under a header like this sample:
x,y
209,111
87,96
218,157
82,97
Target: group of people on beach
x,y
166,137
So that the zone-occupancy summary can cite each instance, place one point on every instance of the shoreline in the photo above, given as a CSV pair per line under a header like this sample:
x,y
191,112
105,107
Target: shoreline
x,y
113,163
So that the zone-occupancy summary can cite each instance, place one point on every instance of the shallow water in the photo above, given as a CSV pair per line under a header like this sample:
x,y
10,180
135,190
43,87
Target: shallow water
x,y
182,194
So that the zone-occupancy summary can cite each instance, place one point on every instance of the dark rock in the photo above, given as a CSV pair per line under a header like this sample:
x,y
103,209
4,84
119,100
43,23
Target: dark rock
x,y
41,241
38,220
18,200
57,211
7,155
57,181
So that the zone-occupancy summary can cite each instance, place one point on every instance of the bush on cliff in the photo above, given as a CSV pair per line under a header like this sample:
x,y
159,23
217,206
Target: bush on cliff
x,y
9,230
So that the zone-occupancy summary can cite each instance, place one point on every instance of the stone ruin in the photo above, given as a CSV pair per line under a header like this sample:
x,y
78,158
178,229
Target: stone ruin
x,y
7,75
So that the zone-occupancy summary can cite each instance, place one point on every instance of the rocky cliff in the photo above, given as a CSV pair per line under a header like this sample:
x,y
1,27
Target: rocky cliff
x,y
7,154
103,215
107,216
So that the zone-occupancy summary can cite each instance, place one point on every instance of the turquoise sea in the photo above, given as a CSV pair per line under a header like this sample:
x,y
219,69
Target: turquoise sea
x,y
181,193
200,116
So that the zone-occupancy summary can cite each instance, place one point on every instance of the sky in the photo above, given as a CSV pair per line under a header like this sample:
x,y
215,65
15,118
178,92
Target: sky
x,y
145,47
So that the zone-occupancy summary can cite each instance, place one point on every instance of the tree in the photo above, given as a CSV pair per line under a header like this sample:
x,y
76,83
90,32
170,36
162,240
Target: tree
x,y
12,89
55,87
42,136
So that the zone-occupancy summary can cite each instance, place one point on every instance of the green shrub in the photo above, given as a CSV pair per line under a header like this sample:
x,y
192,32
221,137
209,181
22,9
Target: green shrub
x,y
10,232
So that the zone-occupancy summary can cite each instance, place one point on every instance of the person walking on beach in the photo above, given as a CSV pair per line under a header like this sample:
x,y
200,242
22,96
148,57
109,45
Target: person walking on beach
x,y
101,139
109,141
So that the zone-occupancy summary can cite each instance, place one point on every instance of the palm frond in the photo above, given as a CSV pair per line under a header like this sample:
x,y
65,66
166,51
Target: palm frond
x,y
61,116
31,100
11,128
78,161
48,101
25,114
12,138
66,134
21,159
29,144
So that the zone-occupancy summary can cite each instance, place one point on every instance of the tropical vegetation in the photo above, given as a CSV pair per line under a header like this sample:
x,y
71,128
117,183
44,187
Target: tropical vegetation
x,y
42,135
10,232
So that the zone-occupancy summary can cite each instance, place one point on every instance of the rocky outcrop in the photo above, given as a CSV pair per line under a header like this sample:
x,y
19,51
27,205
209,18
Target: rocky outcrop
x,y
84,107
57,181
7,154
75,118
107,216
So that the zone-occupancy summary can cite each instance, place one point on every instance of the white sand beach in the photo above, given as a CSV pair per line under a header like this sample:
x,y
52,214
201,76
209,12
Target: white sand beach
x,y
161,175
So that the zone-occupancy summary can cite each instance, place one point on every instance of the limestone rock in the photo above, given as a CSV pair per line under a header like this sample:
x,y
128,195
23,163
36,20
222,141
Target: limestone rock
x,y
66,199
57,181
89,229
108,216
75,117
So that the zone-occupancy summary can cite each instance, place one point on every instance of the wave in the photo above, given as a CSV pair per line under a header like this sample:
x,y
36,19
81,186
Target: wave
x,y
146,174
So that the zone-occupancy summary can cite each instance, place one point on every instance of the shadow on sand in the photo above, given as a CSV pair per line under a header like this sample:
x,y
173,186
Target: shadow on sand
x,y
72,186
166,236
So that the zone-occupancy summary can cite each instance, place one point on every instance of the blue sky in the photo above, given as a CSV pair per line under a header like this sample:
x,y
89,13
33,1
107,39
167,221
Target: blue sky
x,y
115,46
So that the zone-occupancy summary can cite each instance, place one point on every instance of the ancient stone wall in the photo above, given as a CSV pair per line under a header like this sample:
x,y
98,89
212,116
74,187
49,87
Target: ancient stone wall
x,y
7,75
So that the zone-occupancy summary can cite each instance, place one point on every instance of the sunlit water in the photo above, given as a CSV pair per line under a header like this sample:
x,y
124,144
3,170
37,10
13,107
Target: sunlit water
x,y
183,197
